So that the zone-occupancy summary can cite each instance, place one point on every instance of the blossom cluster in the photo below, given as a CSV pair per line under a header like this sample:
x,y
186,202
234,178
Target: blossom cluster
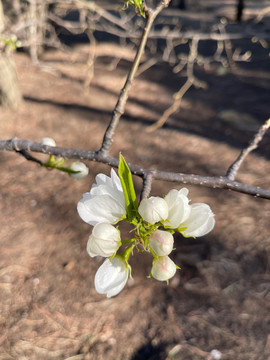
x,y
155,220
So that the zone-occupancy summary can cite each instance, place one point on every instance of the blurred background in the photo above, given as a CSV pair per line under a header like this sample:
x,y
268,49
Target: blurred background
x,y
201,93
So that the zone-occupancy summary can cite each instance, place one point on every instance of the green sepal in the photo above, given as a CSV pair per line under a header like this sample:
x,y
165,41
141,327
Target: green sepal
x,y
183,228
129,191
172,231
125,256
56,162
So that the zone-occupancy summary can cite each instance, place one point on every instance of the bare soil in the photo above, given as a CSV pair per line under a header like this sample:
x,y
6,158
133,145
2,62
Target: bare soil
x,y
220,299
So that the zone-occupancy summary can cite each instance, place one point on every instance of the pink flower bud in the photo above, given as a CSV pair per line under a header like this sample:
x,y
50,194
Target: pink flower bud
x,y
163,268
161,242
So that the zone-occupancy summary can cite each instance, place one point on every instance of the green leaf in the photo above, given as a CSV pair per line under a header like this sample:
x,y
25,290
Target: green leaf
x,y
138,6
128,189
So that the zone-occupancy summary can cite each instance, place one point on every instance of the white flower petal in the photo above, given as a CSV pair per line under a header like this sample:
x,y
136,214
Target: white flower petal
x,y
102,179
111,277
183,191
200,222
106,190
116,182
105,202
102,208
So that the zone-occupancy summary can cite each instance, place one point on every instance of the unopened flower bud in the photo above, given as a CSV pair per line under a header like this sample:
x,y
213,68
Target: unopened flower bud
x,y
178,206
163,268
48,141
153,209
81,167
104,240
161,242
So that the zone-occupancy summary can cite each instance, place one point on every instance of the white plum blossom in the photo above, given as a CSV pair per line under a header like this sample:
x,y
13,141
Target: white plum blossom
x,y
111,277
161,242
81,167
104,240
200,221
105,202
48,141
153,209
155,221
163,268
178,207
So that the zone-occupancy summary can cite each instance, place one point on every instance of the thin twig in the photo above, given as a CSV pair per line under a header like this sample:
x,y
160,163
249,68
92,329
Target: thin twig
x,y
173,108
178,96
261,14
228,47
233,169
222,182
29,157
122,100
91,59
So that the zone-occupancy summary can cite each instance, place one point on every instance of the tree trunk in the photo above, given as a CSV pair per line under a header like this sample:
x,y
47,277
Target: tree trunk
x,y
10,94
37,14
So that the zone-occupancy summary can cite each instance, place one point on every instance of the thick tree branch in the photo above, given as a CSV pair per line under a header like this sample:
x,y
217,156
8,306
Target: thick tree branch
x,y
222,182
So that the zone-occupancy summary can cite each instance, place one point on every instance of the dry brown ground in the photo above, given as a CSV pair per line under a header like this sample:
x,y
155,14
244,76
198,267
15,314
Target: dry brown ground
x,y
219,300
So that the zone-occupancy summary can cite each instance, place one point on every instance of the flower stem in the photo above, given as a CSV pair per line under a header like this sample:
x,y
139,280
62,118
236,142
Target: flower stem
x,y
127,252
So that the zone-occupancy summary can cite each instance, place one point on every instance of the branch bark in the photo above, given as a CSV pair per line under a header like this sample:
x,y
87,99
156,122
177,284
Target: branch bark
x,y
221,182
234,168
